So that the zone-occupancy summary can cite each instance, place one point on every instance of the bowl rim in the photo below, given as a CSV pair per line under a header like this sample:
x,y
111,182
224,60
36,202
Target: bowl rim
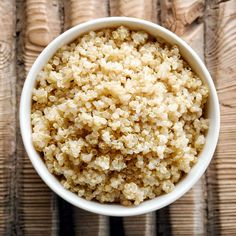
x,y
54,184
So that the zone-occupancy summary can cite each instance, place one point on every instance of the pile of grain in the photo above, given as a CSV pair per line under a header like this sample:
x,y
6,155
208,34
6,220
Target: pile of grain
x,y
117,116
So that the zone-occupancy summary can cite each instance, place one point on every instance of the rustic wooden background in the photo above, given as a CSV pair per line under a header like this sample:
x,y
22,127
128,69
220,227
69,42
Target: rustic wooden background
x,y
27,206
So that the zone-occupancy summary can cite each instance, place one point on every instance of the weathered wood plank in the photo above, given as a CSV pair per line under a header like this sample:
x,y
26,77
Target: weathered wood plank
x,y
38,214
7,115
221,57
43,25
187,215
145,9
84,10
194,36
90,224
143,225
177,15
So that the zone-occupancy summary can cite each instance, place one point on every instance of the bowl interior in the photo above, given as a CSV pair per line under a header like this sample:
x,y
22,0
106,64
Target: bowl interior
x,y
212,113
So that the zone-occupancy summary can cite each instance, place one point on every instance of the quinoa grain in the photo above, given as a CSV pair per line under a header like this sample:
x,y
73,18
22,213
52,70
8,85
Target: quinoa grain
x,y
118,116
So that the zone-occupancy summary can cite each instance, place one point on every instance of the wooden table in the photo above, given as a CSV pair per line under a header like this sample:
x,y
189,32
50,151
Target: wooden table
x,y
27,206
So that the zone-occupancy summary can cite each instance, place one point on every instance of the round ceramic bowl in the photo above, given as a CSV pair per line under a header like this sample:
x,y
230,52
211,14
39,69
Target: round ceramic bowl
x,y
213,113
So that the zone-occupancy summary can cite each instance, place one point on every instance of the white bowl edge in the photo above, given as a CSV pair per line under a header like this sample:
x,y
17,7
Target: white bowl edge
x,y
114,209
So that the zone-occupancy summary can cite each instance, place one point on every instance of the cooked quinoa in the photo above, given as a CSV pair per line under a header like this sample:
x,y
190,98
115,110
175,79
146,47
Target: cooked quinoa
x,y
118,116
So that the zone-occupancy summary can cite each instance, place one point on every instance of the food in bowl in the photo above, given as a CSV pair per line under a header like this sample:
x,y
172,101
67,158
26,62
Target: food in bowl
x,y
117,116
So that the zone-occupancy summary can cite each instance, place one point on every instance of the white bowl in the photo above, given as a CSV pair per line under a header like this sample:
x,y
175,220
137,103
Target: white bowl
x,y
213,113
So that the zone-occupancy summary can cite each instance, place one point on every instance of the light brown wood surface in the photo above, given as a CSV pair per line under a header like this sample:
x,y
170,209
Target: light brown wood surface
x,y
221,58
27,206
144,9
7,114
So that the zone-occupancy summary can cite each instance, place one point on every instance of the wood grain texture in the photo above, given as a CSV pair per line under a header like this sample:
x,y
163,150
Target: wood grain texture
x,y
42,21
144,225
7,115
144,9
90,224
177,15
37,202
43,25
188,215
84,10
194,36
221,57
